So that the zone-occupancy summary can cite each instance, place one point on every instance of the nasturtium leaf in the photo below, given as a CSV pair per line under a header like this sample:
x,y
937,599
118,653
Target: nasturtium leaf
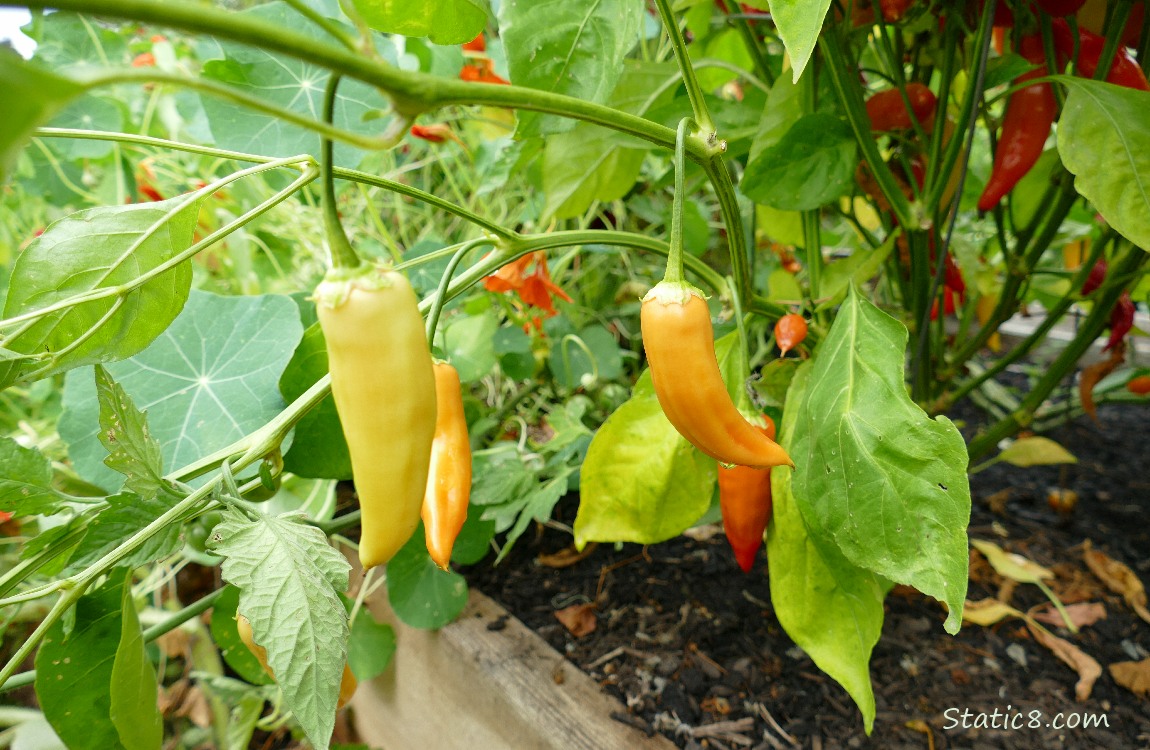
x,y
94,249
207,381
574,48
810,166
89,112
641,480
132,450
582,360
134,710
470,345
1104,140
1036,451
125,515
420,593
31,96
319,450
371,646
799,23
75,43
26,481
289,83
226,636
474,540
74,670
513,347
442,21
829,606
875,475
288,576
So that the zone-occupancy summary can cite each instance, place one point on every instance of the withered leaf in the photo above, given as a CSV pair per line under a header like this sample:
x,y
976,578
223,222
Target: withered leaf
x,y
1132,675
1087,668
1118,578
579,619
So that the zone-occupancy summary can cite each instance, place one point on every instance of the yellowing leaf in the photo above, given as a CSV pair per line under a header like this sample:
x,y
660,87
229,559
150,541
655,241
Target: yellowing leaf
x,y
986,612
1118,578
1010,565
1036,451
1132,675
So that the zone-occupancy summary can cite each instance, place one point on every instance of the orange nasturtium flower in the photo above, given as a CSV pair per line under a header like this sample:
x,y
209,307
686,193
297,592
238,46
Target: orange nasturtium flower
x,y
481,71
535,289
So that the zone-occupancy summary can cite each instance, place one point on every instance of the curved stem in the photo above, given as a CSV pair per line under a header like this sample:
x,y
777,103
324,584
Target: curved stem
x,y
342,254
441,290
147,140
675,258
326,24
679,45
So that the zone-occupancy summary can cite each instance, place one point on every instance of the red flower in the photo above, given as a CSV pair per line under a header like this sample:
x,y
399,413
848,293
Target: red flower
x,y
435,133
478,44
535,290
481,71
144,60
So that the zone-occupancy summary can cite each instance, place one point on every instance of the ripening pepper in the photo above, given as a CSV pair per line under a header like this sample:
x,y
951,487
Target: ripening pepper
x,y
449,477
384,391
790,331
887,109
745,501
680,347
1121,321
1139,385
1123,70
347,684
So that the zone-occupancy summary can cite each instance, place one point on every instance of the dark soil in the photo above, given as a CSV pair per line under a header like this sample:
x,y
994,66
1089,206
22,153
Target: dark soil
x,y
692,647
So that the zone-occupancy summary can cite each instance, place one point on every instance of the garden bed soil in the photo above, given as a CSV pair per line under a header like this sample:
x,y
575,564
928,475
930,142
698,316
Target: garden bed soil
x,y
692,647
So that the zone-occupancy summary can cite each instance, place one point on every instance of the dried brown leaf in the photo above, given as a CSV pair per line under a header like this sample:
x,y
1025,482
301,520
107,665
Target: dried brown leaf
x,y
1087,668
1132,675
567,556
1118,578
987,612
579,619
1081,615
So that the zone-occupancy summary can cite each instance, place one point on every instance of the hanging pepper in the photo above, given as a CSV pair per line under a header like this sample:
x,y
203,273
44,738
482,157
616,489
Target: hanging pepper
x,y
449,477
1123,70
790,331
1121,321
887,109
1030,113
1095,278
680,347
745,501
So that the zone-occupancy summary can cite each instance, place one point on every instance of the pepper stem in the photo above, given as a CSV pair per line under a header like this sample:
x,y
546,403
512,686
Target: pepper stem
x,y
675,256
441,291
342,254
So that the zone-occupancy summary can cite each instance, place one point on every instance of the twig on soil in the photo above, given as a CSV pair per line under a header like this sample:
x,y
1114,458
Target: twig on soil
x,y
762,711
727,730
617,652
694,649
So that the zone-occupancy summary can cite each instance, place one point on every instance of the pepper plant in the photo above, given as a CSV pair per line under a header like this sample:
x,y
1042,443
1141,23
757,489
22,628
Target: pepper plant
x,y
855,196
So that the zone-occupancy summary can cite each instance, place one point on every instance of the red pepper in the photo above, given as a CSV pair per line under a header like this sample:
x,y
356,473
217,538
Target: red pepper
x,y
745,501
790,331
894,10
1096,277
1123,70
887,110
1030,113
1121,321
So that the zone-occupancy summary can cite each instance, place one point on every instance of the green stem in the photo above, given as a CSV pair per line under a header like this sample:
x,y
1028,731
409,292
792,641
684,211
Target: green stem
x,y
147,140
66,600
326,24
441,290
342,254
674,272
679,45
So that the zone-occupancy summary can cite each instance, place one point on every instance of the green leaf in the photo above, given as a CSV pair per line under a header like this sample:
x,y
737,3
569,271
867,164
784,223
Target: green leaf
x,y
474,540
207,381
828,606
783,287
591,163
132,450
799,23
809,167
857,268
371,646
90,112
26,481
289,83
288,576
1104,139
775,379
319,450
641,480
580,361
227,638
74,671
536,506
470,345
125,515
573,48
94,249
499,475
516,358
875,475
442,21
421,594
31,96
1036,451
134,710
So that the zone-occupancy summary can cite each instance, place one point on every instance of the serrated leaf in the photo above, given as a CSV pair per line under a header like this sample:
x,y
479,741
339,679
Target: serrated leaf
x,y
134,710
829,606
227,638
26,481
565,47
288,576
74,670
31,96
207,381
442,21
799,23
641,480
126,514
1036,451
132,450
371,646
1104,140
810,166
875,475
421,594
536,506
